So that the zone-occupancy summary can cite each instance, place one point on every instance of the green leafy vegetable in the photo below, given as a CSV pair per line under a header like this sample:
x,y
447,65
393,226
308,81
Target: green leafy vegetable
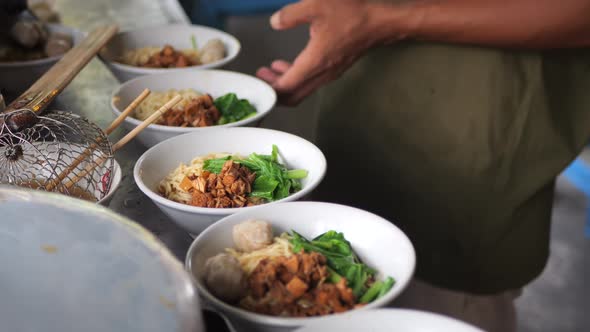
x,y
343,262
297,174
264,186
273,180
387,285
372,292
233,109
333,276
215,165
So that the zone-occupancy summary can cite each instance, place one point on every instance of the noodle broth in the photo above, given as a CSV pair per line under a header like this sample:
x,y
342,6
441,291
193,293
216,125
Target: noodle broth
x,y
75,191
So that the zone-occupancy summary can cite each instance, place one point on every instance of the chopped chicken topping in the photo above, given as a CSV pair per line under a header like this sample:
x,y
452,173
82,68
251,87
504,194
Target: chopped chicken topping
x,y
228,189
168,57
200,112
295,286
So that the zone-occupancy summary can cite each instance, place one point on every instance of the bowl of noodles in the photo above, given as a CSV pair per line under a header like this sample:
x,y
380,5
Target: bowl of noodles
x,y
203,176
282,266
175,47
211,98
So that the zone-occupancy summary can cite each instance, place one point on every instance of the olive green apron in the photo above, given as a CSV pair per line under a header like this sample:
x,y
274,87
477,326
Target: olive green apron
x,y
460,148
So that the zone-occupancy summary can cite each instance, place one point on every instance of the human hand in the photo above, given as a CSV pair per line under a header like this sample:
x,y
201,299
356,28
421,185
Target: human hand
x,y
340,32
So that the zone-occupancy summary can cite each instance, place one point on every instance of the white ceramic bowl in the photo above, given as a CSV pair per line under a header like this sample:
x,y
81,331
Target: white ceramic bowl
x,y
16,77
377,241
70,265
160,160
214,82
177,35
116,181
386,320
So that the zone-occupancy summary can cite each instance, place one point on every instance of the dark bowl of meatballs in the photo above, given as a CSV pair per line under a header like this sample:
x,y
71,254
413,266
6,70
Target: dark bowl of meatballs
x,y
31,50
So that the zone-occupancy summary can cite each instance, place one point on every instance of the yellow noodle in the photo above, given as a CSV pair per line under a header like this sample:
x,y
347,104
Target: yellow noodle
x,y
155,100
170,185
140,56
249,260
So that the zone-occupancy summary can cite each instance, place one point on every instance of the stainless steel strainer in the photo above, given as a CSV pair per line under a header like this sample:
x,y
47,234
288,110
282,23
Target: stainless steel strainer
x,y
57,151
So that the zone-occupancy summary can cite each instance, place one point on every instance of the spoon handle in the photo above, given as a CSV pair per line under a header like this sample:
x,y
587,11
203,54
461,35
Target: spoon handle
x,y
42,92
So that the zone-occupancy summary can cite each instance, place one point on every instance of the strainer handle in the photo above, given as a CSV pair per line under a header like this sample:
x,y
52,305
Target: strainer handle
x,y
42,92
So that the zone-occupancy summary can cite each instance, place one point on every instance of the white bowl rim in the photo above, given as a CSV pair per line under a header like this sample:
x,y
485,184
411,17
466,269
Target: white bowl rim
x,y
47,60
297,321
225,211
194,72
115,182
409,311
142,70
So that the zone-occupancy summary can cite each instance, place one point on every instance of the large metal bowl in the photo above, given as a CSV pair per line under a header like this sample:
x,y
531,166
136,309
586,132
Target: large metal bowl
x,y
70,265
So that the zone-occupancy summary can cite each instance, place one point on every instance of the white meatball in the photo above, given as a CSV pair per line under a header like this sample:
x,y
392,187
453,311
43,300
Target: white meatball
x,y
214,50
225,278
252,235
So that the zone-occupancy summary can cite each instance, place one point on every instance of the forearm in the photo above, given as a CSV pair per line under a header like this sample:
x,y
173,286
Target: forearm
x,y
531,24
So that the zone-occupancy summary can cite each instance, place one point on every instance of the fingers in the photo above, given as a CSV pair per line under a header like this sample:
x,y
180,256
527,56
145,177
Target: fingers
x,y
272,74
268,75
280,66
292,15
306,66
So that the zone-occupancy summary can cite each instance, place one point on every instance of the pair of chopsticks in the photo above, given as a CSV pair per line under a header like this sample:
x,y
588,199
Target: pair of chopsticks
x,y
115,147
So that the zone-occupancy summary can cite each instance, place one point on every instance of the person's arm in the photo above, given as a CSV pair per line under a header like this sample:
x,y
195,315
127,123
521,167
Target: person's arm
x,y
527,24
342,30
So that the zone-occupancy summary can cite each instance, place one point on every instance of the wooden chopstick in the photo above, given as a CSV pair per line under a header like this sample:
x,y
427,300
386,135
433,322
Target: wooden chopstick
x,y
126,139
46,88
117,122
147,122
87,153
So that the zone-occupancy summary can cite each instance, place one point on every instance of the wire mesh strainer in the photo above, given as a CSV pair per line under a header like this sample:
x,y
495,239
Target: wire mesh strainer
x,y
50,152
